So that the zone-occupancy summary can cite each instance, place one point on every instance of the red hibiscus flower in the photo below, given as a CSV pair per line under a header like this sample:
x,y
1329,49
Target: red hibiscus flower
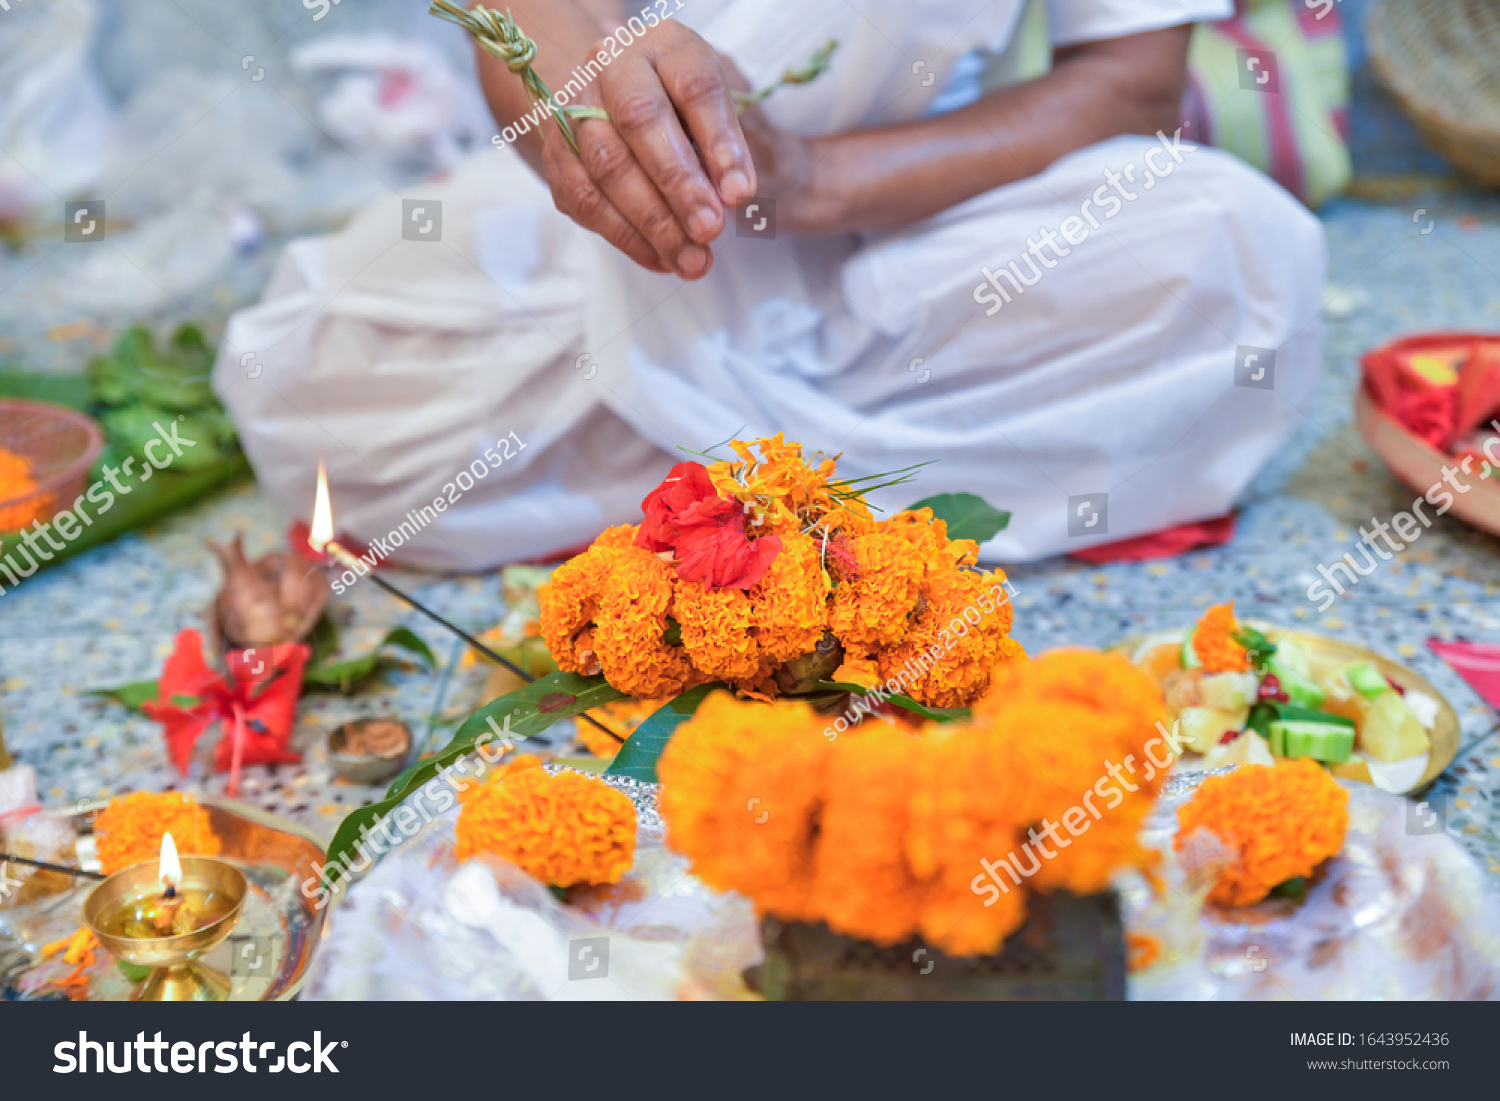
x,y
257,704
706,532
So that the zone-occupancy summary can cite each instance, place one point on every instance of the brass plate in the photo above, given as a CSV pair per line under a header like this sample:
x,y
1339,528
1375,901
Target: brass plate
x,y
275,938
1445,734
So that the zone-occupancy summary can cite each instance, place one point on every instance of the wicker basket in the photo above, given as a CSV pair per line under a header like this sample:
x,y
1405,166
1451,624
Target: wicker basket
x,y
1441,60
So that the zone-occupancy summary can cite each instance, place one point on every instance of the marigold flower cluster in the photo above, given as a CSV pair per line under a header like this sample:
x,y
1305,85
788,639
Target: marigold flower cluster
x,y
880,834
1214,642
1280,821
562,828
130,829
740,569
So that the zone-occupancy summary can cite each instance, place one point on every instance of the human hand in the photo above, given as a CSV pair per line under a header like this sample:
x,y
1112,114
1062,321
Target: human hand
x,y
637,180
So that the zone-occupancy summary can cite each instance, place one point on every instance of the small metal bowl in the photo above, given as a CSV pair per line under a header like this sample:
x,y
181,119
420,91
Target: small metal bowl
x,y
361,768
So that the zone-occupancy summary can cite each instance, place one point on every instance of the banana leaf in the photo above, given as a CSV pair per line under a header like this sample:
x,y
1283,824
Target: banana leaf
x,y
906,703
637,757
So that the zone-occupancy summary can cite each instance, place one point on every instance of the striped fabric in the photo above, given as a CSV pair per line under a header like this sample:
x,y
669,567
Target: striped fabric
x,y
1297,134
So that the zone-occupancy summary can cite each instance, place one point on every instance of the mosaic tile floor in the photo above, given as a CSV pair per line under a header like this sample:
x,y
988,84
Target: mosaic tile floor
x,y
109,617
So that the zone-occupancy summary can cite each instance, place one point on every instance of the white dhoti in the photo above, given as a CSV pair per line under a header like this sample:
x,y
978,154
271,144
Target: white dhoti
x,y
1156,345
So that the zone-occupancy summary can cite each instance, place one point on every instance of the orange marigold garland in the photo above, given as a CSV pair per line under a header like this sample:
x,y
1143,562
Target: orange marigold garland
x,y
881,835
130,829
563,829
1280,822
743,567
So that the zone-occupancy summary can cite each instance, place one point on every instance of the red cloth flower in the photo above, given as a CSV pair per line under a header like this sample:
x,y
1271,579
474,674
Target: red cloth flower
x,y
706,532
258,703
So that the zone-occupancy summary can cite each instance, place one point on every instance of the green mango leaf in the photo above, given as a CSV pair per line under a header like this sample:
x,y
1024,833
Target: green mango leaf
x,y
531,710
324,641
344,675
637,757
906,703
131,695
967,516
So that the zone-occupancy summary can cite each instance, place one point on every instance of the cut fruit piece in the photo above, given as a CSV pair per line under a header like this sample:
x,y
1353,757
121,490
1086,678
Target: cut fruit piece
x,y
1190,659
1320,741
1248,749
1200,728
1299,688
1368,681
1344,701
1229,691
1355,768
1291,657
1423,706
1391,732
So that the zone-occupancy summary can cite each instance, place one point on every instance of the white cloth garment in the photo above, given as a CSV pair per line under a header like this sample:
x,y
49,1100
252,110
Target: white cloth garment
x,y
1111,368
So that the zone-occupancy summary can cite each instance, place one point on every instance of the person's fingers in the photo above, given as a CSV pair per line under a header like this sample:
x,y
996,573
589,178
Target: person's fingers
x,y
647,120
575,194
695,80
612,166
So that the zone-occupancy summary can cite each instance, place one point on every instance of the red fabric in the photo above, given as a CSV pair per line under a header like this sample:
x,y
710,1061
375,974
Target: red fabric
x,y
1477,662
258,702
1162,544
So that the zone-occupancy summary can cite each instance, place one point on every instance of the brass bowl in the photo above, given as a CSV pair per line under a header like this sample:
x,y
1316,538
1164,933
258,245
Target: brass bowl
x,y
366,768
177,975
1445,735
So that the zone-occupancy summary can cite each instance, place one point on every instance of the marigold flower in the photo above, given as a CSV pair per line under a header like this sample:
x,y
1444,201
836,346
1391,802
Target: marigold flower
x,y
630,626
1281,822
562,829
862,884
718,632
570,601
882,835
951,655
875,609
1213,641
519,762
18,482
130,829
789,606
1068,716
742,785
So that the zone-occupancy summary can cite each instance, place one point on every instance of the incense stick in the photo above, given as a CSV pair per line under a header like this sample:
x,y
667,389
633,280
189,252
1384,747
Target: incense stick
x,y
5,858
333,550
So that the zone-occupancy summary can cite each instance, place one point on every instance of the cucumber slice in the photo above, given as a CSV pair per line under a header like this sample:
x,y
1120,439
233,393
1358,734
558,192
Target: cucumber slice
x,y
1367,680
1299,689
1190,659
1320,741
1291,713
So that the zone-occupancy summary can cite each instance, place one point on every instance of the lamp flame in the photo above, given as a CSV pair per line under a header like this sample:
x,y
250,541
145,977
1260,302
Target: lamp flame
x,y
170,869
320,534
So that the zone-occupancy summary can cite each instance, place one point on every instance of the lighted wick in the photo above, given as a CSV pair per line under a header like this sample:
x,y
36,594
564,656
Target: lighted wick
x,y
169,873
320,539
